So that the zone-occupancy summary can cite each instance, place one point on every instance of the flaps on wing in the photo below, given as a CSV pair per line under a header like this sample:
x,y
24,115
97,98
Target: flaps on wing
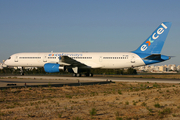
x,y
75,63
72,62
153,57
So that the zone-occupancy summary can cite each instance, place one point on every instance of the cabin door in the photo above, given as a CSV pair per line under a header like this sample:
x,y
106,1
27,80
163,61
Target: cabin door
x,y
132,59
100,59
45,58
16,59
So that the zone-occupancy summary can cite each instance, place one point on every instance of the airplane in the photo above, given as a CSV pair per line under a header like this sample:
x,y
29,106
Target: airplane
x,y
149,52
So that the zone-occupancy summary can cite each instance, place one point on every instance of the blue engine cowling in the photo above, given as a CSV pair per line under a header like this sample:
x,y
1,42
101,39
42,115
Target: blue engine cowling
x,y
51,67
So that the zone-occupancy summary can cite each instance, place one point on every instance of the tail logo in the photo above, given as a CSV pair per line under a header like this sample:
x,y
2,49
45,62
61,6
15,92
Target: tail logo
x,y
154,37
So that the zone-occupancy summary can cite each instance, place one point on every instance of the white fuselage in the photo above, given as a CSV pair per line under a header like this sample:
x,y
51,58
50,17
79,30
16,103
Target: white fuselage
x,y
104,60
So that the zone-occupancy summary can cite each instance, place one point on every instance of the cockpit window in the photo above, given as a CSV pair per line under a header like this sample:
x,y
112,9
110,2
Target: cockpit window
x,y
9,58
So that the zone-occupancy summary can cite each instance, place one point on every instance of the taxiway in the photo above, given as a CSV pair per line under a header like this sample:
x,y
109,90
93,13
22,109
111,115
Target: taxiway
x,y
7,81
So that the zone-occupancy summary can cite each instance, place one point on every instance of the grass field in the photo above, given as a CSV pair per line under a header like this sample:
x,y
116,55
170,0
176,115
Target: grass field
x,y
115,101
161,76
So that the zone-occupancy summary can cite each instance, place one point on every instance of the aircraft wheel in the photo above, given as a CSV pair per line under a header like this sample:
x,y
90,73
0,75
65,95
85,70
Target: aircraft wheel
x,y
90,75
78,75
74,75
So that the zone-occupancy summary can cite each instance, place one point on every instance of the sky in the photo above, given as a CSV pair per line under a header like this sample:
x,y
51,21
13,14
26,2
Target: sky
x,y
86,26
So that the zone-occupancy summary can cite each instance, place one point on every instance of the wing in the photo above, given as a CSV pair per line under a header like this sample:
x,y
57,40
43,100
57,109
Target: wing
x,y
72,62
75,63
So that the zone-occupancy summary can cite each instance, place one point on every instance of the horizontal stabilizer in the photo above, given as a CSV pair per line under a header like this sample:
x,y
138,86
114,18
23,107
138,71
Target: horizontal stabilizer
x,y
153,57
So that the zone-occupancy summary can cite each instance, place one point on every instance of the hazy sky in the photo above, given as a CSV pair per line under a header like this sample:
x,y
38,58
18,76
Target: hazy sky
x,y
86,25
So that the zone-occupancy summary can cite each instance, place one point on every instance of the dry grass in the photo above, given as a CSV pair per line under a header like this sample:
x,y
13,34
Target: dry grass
x,y
116,101
163,76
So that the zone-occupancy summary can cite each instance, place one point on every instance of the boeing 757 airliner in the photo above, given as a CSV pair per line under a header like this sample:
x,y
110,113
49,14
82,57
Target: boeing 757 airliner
x,y
148,52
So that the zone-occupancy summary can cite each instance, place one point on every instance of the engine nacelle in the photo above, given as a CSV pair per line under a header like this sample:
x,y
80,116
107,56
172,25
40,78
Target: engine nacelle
x,y
52,67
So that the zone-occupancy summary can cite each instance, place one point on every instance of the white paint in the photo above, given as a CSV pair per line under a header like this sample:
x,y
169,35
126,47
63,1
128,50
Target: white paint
x,y
144,47
90,63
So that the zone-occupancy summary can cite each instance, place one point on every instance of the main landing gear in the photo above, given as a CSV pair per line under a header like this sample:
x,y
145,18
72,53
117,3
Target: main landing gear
x,y
76,75
77,72
89,75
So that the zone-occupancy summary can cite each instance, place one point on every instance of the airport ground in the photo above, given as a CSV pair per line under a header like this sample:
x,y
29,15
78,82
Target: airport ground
x,y
123,98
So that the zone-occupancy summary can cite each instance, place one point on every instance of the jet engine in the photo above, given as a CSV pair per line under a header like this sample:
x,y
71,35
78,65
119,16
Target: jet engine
x,y
52,67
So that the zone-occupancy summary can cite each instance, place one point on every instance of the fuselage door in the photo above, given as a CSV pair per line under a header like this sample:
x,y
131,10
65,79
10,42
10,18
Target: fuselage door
x,y
16,59
100,59
45,58
132,59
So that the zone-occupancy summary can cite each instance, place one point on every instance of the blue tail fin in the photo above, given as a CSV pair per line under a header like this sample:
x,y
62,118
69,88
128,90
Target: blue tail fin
x,y
154,44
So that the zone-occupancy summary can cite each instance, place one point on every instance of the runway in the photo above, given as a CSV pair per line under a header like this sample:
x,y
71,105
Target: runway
x,y
9,81
114,79
45,81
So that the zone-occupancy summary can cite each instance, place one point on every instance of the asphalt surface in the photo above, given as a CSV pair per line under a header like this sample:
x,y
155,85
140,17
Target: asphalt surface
x,y
44,81
10,81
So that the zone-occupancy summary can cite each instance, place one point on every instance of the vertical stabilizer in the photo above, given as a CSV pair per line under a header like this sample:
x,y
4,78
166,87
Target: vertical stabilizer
x,y
154,43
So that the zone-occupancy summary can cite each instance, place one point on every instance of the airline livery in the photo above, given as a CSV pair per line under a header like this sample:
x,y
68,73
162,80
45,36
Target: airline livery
x,y
148,52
